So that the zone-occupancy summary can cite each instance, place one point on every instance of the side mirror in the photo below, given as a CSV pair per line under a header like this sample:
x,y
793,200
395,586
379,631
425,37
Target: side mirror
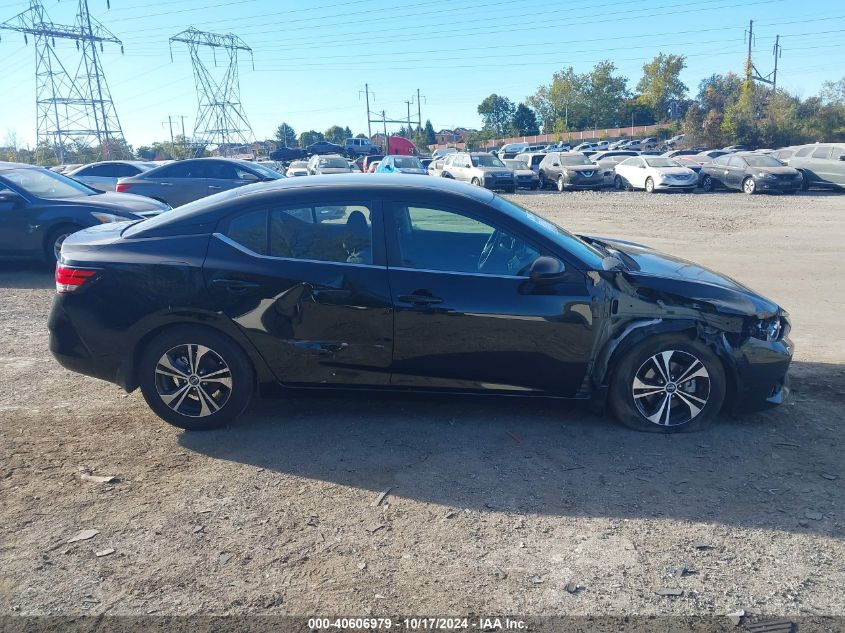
x,y
546,269
10,200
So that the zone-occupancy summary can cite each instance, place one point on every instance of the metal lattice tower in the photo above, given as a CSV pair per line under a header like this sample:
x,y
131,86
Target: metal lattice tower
x,y
75,112
220,116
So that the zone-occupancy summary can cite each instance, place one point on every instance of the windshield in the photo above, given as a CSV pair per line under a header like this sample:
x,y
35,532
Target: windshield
x,y
43,183
486,160
407,162
334,163
516,164
574,159
591,256
265,172
762,161
661,161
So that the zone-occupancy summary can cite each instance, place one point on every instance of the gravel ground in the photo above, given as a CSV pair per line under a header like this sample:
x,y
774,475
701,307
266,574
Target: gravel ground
x,y
494,505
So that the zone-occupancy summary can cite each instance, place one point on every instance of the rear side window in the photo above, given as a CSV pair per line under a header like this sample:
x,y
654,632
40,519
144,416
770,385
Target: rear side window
x,y
804,151
336,233
822,152
250,231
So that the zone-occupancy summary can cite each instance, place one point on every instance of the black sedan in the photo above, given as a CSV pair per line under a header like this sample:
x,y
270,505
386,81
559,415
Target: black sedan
x,y
325,147
399,282
288,153
40,208
751,173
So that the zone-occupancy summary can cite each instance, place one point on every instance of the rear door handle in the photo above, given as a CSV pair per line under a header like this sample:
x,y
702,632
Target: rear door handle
x,y
420,299
234,285
214,187
166,184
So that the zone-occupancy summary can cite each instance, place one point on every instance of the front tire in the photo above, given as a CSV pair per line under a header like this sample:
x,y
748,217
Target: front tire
x,y
195,378
707,184
749,186
649,185
476,182
54,241
542,183
667,384
561,184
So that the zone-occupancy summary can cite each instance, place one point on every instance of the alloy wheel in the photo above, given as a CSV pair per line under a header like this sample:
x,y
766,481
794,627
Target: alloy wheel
x,y
561,184
707,184
57,245
749,186
193,380
671,388
649,185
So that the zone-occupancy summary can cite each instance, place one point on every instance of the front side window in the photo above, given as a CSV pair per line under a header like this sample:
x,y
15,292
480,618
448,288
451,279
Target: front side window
x,y
486,160
44,183
822,152
447,241
804,151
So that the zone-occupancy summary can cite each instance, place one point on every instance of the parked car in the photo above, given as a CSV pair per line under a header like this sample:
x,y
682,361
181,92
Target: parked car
x,y
63,169
676,140
324,147
435,168
188,180
288,153
654,173
39,208
401,165
709,156
366,162
784,154
541,147
532,159
320,164
360,147
510,150
821,165
103,176
560,146
586,147
297,168
736,148
526,178
480,169
569,170
690,163
620,144
459,290
602,146
633,144
443,151
750,173
607,161
674,153
373,166
426,162
649,143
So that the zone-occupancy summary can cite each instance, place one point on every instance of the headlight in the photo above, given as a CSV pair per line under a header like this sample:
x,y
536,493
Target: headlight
x,y
765,175
770,330
105,218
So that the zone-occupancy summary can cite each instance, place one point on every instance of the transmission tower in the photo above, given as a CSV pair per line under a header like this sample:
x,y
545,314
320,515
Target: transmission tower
x,y
220,116
75,111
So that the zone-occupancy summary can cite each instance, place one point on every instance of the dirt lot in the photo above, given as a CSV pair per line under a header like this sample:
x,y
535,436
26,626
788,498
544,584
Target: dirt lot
x,y
494,505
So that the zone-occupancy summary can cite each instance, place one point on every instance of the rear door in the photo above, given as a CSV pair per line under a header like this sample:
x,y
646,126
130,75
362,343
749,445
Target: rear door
x,y
223,175
466,315
307,282
176,184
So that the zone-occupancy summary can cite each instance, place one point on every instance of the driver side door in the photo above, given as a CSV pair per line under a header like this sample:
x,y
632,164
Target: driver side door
x,y
466,315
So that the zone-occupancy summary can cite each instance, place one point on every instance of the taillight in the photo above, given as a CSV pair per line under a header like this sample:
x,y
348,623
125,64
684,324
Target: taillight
x,y
70,279
122,186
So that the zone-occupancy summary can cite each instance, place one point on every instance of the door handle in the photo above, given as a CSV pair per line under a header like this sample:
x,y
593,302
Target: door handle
x,y
420,299
234,285
166,184
214,187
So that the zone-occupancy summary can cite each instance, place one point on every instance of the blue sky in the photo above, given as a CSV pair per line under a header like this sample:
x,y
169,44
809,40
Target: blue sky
x,y
311,62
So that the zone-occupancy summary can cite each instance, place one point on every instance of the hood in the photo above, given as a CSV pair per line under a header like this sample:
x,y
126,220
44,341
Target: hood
x,y
525,172
332,170
411,170
674,171
580,168
666,273
112,202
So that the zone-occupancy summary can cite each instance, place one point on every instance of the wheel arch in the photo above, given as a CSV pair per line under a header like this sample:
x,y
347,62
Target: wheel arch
x,y
127,376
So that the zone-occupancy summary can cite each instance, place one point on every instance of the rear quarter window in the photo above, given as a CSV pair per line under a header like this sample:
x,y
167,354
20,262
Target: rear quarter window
x,y
250,231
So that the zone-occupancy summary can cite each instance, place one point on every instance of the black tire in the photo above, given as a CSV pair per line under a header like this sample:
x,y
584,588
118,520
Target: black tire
x,y
54,241
649,185
805,182
535,186
542,184
192,411
618,184
510,190
476,182
561,184
639,359
707,184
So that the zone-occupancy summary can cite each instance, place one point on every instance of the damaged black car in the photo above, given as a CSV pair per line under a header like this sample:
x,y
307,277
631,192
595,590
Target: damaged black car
x,y
402,283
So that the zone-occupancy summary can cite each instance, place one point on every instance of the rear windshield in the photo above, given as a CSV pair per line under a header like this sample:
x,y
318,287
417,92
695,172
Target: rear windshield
x,y
486,160
516,164
762,160
334,163
407,162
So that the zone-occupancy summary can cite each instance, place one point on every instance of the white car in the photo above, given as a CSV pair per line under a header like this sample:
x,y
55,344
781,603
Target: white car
x,y
654,173
103,175
297,168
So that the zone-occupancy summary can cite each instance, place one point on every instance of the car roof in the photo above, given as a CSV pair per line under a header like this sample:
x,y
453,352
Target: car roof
x,y
9,165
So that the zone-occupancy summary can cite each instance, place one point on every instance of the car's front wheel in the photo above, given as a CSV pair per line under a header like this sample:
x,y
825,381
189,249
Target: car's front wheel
x,y
54,241
649,185
666,384
561,184
541,184
749,186
707,184
195,378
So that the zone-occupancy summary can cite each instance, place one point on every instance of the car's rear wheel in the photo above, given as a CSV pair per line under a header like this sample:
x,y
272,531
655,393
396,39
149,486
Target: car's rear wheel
x,y
707,184
561,184
476,182
542,182
618,184
195,378
54,241
749,186
666,384
649,185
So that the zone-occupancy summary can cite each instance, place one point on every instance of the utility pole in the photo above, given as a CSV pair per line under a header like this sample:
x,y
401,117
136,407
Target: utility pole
x,y
751,72
419,108
777,52
386,140
170,123
369,114
749,65
410,131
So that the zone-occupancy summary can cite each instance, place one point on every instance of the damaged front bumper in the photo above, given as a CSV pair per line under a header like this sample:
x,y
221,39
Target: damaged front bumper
x,y
761,377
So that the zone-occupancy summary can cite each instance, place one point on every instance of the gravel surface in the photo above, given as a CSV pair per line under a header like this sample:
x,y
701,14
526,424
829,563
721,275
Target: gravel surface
x,y
493,505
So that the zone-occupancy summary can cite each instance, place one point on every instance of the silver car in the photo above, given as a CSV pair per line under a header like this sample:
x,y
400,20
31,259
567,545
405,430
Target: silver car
x,y
320,164
822,165
188,180
103,176
526,178
481,169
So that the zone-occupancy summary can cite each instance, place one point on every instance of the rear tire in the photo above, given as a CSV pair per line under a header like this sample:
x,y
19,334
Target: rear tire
x,y
476,182
642,399
195,378
707,184
55,239
541,185
561,184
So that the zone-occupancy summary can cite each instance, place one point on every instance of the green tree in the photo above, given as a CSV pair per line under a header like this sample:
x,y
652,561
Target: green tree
x,y
661,83
286,135
525,121
497,113
561,104
335,134
430,135
347,133
605,96
833,93
310,137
